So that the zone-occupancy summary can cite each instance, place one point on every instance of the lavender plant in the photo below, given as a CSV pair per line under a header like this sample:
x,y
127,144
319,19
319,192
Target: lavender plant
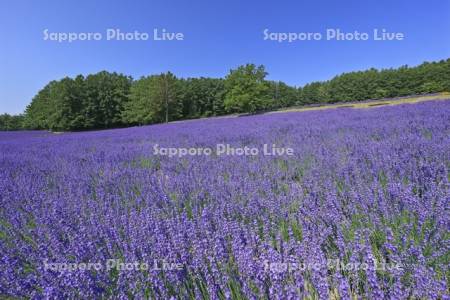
x,y
361,210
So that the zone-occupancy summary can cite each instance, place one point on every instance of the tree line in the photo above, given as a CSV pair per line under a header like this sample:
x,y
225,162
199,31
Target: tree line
x,y
11,122
110,100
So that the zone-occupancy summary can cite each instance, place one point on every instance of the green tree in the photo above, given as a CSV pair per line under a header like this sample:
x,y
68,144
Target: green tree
x,y
106,95
168,94
246,89
106,100
202,97
280,95
153,99
36,113
11,122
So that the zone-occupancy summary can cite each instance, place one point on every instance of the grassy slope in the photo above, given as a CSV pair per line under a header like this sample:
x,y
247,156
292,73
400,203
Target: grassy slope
x,y
372,103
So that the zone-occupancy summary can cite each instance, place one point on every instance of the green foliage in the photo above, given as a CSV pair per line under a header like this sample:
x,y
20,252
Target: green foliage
x,y
280,95
202,97
376,84
108,100
9,123
81,103
153,99
105,100
106,94
246,89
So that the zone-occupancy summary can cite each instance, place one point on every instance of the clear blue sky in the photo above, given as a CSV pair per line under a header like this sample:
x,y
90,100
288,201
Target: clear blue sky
x,y
218,36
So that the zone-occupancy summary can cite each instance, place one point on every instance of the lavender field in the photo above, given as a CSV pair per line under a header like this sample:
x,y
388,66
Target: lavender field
x,y
360,211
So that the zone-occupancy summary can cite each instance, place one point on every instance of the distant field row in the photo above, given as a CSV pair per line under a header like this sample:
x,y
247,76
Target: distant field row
x,y
372,103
